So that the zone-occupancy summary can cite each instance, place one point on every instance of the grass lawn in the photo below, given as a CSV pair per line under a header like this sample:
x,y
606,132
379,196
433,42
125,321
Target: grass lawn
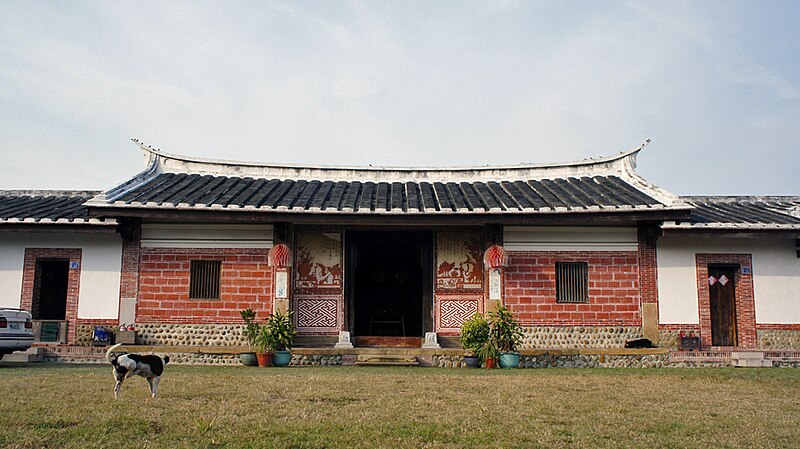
x,y
56,405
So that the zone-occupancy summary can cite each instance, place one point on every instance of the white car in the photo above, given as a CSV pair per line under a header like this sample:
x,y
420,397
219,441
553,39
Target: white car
x,y
16,330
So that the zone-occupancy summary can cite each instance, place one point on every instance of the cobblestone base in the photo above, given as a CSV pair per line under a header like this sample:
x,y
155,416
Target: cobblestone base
x,y
771,339
315,360
83,334
448,361
594,361
578,337
668,338
176,334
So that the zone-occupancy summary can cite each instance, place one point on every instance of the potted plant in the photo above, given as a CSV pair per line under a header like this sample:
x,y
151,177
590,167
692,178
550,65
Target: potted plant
x,y
489,353
507,334
474,334
264,345
251,330
281,329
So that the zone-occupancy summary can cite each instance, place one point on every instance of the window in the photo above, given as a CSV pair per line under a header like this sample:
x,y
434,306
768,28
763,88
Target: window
x,y
204,279
572,281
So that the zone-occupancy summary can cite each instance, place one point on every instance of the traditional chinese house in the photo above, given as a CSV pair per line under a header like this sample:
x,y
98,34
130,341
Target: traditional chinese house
x,y
587,255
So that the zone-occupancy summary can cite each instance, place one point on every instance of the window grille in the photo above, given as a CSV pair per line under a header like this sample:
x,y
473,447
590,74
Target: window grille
x,y
572,282
204,279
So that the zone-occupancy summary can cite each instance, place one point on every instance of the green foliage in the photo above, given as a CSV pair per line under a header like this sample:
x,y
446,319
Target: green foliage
x,y
252,328
505,330
488,350
281,330
474,332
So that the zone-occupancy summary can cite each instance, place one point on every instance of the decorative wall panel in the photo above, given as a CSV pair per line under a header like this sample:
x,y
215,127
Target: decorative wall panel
x,y
319,261
317,312
459,264
453,310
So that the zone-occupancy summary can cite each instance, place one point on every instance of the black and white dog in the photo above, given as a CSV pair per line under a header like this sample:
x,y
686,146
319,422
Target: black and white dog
x,y
148,366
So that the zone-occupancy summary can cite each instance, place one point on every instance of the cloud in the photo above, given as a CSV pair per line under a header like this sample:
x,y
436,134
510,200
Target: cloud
x,y
386,84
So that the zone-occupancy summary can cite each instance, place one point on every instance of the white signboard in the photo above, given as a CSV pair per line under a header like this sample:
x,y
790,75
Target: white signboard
x,y
495,284
281,285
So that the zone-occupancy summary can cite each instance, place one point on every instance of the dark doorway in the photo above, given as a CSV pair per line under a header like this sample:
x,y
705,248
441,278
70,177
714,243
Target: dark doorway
x,y
51,282
722,296
389,282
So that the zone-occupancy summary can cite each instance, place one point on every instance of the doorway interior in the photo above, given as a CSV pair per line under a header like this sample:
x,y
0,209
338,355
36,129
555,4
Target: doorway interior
x,y
389,284
51,283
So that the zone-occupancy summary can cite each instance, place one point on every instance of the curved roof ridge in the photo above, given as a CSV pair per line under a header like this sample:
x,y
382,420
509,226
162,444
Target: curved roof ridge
x,y
160,161
45,192
157,152
736,198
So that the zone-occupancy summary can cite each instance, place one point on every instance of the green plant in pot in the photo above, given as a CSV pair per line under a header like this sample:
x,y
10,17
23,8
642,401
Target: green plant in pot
x,y
265,346
282,333
474,334
488,353
251,330
507,334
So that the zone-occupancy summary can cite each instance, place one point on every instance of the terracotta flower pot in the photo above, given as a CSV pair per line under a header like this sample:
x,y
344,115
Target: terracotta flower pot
x,y
490,363
264,359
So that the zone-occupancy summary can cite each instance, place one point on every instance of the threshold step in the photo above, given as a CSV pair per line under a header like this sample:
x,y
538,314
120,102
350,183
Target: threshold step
x,y
34,354
386,360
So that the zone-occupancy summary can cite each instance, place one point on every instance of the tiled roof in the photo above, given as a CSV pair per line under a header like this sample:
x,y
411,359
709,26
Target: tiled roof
x,y
742,212
46,206
193,190
595,185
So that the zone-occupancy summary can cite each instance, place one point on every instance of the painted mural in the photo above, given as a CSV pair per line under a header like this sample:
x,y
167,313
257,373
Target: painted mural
x,y
319,261
459,264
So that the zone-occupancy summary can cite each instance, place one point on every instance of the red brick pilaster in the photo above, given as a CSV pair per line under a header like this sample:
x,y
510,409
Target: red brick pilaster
x,y
648,269
131,233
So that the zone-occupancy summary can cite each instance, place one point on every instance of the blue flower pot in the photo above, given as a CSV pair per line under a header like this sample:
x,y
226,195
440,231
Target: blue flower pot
x,y
282,358
472,361
509,360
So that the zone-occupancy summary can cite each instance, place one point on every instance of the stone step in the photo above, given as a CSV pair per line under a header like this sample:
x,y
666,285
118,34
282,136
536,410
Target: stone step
x,y
386,360
31,355
749,359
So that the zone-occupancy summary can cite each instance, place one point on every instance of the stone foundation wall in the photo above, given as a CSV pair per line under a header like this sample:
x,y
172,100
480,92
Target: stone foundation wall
x,y
668,338
770,339
315,360
578,337
448,361
176,334
83,334
191,334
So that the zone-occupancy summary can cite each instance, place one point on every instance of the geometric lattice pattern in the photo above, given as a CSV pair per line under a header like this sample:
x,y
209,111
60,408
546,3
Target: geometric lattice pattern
x,y
453,312
316,312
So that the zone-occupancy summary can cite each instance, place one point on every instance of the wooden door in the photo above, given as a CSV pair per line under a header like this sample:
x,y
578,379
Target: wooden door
x,y
722,296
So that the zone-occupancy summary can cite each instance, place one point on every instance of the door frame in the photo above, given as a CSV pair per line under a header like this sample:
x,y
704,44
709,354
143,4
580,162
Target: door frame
x,y
427,275
744,299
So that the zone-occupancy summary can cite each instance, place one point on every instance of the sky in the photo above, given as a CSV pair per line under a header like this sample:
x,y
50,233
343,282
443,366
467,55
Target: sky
x,y
714,84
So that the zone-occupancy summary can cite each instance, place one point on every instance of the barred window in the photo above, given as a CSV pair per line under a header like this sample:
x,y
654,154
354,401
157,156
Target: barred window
x,y
204,279
572,281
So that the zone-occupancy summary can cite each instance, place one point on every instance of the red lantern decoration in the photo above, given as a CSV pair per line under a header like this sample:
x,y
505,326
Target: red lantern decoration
x,y
495,257
279,256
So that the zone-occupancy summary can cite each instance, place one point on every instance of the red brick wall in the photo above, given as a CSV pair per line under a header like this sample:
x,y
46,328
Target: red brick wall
x,y
246,281
530,288
73,286
745,301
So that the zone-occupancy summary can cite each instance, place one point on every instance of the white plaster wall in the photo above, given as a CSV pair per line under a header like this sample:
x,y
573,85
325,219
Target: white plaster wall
x,y
776,277
101,261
